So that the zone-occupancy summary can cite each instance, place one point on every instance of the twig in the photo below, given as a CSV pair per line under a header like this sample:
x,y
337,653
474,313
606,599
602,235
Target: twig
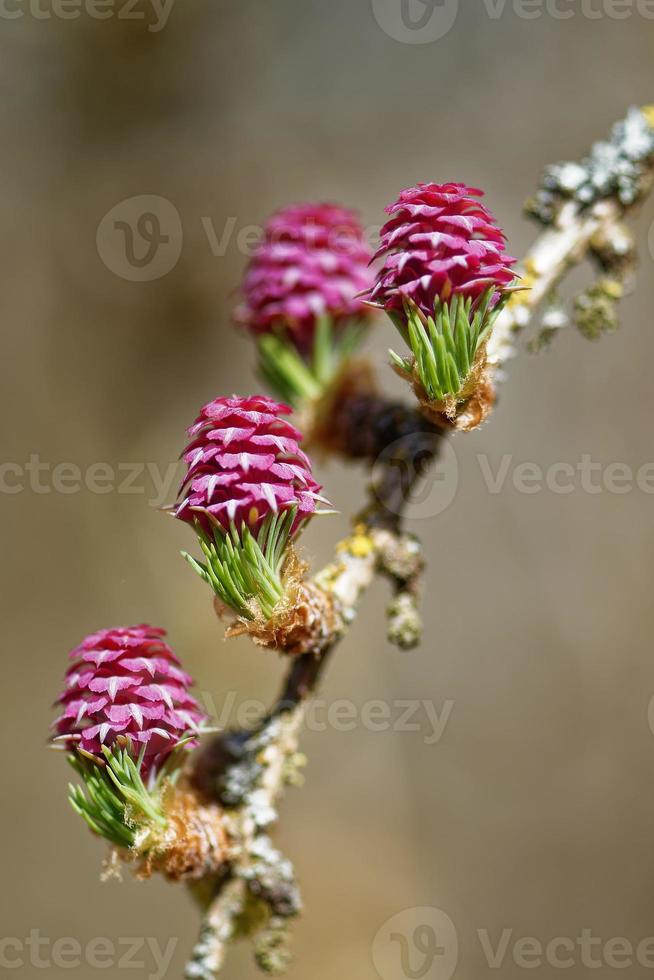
x,y
581,207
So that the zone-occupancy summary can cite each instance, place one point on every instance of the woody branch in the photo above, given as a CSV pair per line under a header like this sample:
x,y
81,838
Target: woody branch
x,y
128,718
581,207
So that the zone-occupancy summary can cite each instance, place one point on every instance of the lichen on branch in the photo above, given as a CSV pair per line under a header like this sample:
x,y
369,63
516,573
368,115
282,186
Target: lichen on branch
x,y
363,424
128,718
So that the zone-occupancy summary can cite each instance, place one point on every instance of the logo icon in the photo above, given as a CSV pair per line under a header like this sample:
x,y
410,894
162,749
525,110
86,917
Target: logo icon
x,y
416,944
650,714
650,240
422,484
140,238
416,21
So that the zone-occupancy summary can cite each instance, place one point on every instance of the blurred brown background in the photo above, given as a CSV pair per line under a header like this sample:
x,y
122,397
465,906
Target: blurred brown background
x,y
534,810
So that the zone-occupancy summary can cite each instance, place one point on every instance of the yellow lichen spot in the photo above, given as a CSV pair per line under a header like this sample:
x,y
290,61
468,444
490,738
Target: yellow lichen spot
x,y
648,112
361,547
527,282
359,544
327,578
613,288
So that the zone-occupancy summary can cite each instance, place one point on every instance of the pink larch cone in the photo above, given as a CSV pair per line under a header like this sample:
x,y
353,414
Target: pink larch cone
x,y
127,682
244,463
313,261
440,241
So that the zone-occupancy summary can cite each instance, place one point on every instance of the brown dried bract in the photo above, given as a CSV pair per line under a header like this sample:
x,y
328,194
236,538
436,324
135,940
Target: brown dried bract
x,y
469,408
193,844
304,622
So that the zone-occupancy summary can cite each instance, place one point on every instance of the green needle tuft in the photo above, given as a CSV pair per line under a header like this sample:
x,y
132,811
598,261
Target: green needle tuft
x,y
445,346
244,570
111,788
296,378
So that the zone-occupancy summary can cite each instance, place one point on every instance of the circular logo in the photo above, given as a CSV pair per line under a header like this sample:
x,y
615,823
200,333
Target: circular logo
x,y
650,714
416,21
416,944
650,240
422,483
140,239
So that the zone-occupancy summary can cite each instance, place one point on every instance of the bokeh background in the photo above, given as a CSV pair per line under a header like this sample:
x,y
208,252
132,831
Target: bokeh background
x,y
534,810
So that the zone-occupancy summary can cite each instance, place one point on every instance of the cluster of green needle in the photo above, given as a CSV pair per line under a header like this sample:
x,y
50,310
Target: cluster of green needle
x,y
245,570
296,378
445,345
113,787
